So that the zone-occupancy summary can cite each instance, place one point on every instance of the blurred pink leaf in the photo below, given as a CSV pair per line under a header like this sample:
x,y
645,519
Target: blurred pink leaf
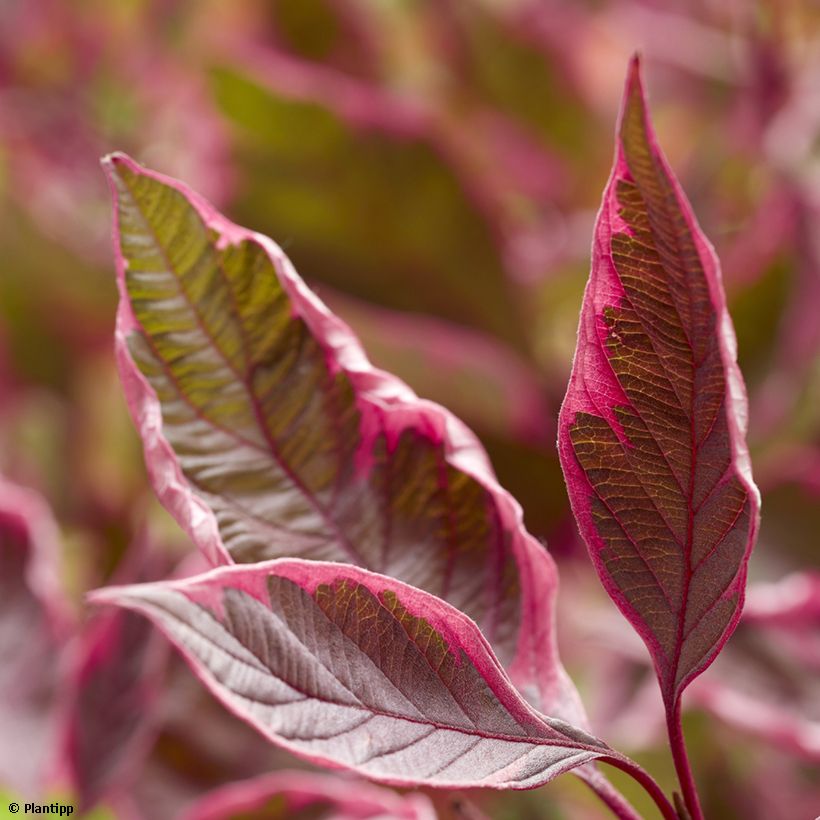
x,y
113,695
35,619
793,601
56,123
767,684
286,794
112,692
268,433
798,345
652,429
477,377
356,670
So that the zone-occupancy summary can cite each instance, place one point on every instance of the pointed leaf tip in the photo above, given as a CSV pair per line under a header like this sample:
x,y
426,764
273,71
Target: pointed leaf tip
x,y
268,433
110,161
356,670
651,431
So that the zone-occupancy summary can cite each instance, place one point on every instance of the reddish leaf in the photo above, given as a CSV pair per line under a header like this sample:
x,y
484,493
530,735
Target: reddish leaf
x,y
111,692
286,794
268,433
652,429
356,670
34,620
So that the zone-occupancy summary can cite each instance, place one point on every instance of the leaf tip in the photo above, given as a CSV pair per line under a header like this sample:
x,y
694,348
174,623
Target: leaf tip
x,y
117,161
634,127
634,87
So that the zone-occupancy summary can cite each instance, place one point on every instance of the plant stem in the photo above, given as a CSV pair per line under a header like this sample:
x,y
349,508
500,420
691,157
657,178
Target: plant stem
x,y
649,785
681,758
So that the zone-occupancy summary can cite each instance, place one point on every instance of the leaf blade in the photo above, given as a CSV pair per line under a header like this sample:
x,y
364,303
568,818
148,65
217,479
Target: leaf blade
x,y
268,433
356,670
35,621
652,428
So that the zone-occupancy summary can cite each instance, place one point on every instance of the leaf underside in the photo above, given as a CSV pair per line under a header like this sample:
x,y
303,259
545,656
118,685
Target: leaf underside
x,y
352,669
651,433
268,434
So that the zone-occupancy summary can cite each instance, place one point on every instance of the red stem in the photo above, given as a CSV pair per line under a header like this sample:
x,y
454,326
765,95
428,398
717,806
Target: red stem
x,y
681,758
645,779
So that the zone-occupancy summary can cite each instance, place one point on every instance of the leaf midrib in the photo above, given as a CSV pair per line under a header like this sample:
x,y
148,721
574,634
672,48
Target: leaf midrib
x,y
436,725
341,539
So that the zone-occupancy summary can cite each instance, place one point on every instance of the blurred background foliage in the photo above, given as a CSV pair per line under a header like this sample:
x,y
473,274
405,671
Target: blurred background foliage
x,y
433,170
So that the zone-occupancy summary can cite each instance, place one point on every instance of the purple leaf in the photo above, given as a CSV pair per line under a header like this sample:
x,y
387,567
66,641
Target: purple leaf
x,y
112,691
267,432
34,621
652,429
285,794
356,670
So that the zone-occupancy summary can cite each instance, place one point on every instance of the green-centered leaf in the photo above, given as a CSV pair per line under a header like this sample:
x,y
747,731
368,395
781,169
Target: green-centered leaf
x,y
268,433
652,429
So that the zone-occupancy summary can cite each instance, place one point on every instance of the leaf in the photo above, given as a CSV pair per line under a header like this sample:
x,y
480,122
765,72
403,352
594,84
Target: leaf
x,y
267,432
652,429
766,684
112,692
287,794
34,621
356,670
793,601
114,689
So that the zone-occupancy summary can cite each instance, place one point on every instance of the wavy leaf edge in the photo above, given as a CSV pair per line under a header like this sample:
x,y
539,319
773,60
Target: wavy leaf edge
x,y
461,637
535,665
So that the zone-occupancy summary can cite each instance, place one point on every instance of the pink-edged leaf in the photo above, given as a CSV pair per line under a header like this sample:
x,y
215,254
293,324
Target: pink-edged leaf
x,y
111,693
34,621
268,434
356,670
652,429
287,794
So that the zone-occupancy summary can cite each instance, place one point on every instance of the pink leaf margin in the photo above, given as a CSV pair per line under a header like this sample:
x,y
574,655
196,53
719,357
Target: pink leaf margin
x,y
30,513
96,658
459,632
350,799
609,392
386,404
95,654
